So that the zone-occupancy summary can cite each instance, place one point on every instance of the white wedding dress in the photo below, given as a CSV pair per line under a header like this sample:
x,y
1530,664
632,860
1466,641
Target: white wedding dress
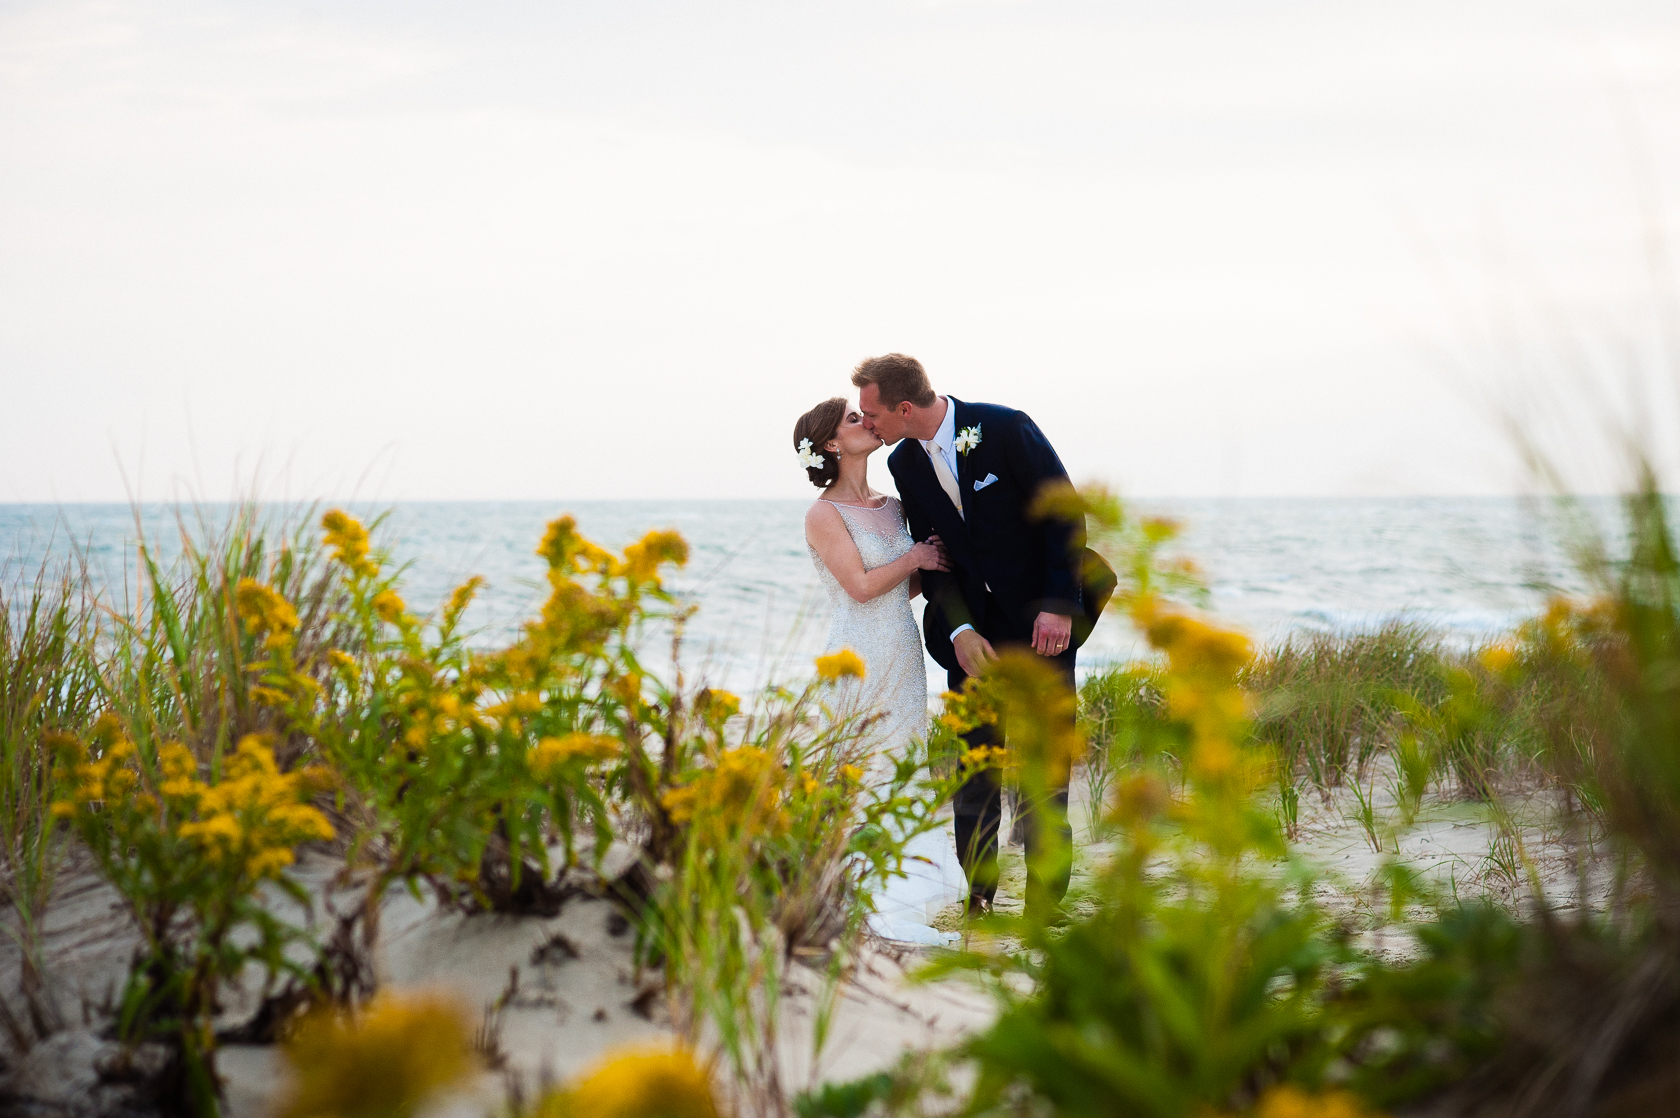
x,y
883,632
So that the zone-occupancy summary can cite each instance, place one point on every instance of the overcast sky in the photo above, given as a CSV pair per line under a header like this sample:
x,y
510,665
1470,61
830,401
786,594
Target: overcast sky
x,y
613,249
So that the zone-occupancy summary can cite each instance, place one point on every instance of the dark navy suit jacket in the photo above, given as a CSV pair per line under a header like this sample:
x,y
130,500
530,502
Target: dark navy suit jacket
x,y
1031,565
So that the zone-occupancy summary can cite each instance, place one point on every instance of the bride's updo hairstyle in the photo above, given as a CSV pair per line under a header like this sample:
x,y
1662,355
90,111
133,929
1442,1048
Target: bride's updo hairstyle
x,y
819,425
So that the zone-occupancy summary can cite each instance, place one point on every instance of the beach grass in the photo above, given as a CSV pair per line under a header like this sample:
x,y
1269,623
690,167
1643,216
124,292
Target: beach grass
x,y
1329,704
50,633
1330,701
272,661
195,734
178,663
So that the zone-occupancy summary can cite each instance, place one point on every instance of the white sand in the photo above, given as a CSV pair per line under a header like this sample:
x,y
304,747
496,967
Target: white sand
x,y
567,1012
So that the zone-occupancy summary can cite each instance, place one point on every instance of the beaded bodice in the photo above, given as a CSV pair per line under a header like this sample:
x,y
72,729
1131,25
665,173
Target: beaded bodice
x,y
882,630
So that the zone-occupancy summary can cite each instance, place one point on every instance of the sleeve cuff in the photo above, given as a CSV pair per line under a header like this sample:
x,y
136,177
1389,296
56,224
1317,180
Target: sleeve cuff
x,y
959,629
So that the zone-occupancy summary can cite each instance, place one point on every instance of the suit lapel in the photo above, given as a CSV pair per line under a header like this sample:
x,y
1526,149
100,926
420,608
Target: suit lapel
x,y
965,482
948,520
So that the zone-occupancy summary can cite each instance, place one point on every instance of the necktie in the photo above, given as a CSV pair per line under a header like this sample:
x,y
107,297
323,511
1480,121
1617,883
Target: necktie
x,y
946,481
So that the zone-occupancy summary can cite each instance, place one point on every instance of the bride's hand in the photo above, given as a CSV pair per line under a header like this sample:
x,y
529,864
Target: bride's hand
x,y
929,557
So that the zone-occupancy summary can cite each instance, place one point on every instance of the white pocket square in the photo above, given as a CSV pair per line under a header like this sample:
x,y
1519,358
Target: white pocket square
x,y
982,483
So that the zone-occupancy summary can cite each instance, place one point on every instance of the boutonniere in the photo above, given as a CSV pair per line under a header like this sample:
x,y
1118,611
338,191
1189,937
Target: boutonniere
x,y
967,439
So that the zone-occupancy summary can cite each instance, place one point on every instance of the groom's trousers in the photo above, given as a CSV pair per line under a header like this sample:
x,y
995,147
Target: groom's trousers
x,y
978,807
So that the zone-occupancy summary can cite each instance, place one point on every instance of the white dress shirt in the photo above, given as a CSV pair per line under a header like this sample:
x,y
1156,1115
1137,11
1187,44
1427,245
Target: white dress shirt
x,y
943,444
944,440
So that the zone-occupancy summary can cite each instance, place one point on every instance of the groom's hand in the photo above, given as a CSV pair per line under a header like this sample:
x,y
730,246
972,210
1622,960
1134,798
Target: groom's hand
x,y
944,554
974,652
1052,633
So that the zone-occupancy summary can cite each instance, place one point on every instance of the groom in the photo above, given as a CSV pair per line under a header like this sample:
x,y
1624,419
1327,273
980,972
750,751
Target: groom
x,y
968,473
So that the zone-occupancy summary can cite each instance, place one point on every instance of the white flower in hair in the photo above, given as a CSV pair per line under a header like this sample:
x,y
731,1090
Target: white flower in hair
x,y
806,458
967,439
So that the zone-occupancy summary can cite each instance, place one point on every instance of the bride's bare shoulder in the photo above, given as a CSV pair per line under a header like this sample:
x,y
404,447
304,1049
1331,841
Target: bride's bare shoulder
x,y
821,512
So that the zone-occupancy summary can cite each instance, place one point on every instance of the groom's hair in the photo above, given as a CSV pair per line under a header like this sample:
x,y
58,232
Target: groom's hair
x,y
896,378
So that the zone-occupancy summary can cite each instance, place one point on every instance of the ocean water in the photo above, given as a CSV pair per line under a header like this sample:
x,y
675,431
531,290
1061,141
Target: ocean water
x,y
1471,567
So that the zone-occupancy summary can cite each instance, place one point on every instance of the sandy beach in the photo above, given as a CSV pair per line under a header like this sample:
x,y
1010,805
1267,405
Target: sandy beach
x,y
559,993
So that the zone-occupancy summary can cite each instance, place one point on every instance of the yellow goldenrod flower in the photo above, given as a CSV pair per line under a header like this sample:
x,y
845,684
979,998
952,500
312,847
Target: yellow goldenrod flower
x,y
1159,529
559,541
449,705
851,774
643,558
64,748
1213,757
349,541
1193,647
1286,1101
569,553
343,661
388,604
263,609
180,788
743,790
716,705
645,1083
551,753
575,618
268,863
302,822
628,688
255,753
385,1063
741,772
253,817
90,781
224,827
679,803
268,696
461,597
1039,709
839,665
1498,658
1560,611
1202,691
176,760
969,708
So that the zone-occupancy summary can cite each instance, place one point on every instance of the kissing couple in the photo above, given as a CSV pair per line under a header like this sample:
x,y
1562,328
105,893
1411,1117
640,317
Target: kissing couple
x,y
960,535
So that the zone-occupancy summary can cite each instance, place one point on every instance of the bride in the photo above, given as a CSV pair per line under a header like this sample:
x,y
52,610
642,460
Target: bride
x,y
871,569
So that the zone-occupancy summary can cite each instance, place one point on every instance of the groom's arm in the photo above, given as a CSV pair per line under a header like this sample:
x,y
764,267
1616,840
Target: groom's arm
x,y
1035,463
941,588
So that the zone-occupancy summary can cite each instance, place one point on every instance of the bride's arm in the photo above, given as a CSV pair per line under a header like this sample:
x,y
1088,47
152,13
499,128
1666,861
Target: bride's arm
x,y
825,530
944,564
